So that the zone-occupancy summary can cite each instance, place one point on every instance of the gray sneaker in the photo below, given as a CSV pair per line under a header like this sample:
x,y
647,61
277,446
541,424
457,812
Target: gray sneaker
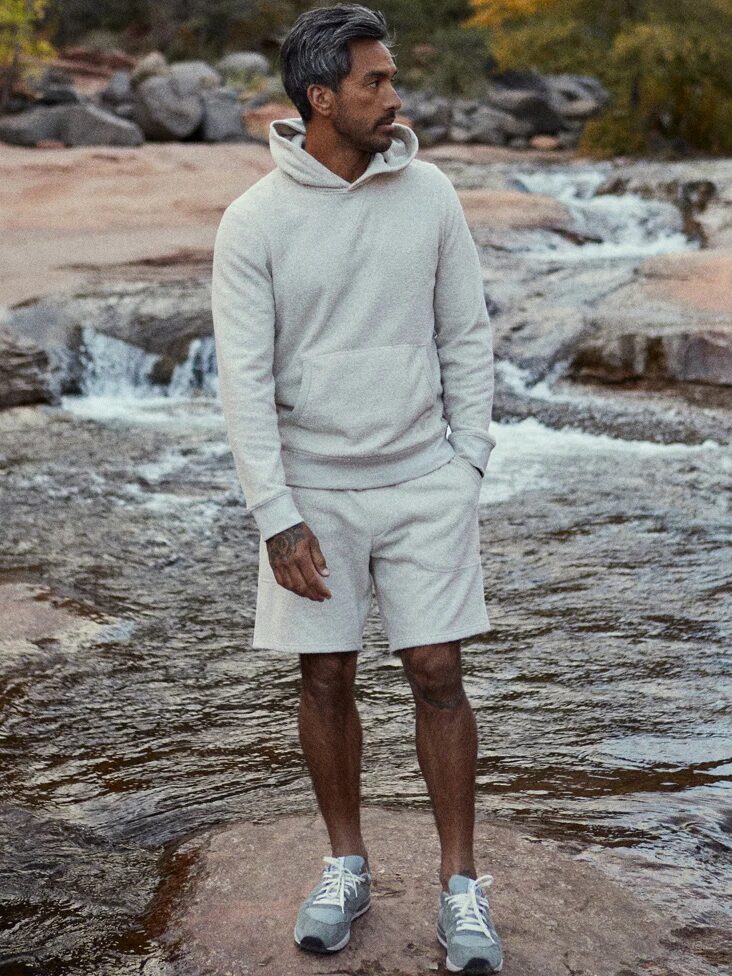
x,y
343,893
465,927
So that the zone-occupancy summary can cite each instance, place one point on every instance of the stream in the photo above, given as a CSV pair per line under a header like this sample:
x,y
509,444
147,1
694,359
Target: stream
x,y
603,692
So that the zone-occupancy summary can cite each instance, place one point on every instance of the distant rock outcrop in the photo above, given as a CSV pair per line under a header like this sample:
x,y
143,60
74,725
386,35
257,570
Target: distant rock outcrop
x,y
155,100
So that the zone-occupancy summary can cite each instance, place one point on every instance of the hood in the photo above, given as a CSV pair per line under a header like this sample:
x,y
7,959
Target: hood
x,y
286,139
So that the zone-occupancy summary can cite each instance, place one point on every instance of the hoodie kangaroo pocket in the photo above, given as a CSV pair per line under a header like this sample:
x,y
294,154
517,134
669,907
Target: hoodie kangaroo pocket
x,y
365,401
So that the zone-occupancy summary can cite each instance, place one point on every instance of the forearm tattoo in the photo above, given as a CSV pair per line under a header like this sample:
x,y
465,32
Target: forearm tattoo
x,y
282,545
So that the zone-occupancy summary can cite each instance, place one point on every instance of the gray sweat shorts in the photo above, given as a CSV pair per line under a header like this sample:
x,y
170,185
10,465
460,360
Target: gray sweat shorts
x,y
415,544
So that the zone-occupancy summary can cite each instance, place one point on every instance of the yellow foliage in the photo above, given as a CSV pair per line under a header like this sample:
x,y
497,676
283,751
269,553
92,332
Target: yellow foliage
x,y
493,13
19,33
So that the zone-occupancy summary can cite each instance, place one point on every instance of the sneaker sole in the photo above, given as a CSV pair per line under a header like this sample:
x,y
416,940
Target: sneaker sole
x,y
479,967
313,944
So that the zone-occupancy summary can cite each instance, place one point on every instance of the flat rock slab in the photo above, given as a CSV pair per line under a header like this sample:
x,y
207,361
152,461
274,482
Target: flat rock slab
x,y
556,915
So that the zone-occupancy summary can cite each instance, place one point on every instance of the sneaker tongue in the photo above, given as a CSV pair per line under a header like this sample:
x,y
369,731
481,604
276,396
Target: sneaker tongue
x,y
354,862
458,883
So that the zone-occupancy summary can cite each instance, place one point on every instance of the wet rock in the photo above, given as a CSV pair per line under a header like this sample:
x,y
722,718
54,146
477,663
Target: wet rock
x,y
553,913
24,372
158,318
670,321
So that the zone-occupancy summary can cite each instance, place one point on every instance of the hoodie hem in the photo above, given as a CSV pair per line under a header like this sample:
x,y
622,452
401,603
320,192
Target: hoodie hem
x,y
320,471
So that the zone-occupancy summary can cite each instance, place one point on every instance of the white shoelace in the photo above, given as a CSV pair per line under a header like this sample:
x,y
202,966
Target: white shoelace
x,y
336,880
471,908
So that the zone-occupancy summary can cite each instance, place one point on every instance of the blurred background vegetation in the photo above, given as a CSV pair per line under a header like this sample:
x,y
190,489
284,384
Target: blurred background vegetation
x,y
668,63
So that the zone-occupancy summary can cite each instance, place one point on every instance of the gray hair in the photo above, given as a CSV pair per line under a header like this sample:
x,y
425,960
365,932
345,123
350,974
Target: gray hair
x,y
316,50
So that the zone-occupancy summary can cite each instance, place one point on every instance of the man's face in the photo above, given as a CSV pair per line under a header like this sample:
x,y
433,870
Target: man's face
x,y
367,98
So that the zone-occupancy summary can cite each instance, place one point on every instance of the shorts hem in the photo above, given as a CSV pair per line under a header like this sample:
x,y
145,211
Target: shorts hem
x,y
344,647
400,643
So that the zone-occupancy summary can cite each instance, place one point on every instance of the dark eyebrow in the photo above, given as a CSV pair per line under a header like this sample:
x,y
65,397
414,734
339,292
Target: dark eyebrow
x,y
380,74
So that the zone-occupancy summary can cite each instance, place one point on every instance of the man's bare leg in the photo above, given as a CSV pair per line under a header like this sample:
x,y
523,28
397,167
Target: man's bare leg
x,y
331,740
447,749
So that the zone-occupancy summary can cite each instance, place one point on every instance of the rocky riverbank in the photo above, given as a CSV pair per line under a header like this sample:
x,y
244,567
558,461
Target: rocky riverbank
x,y
607,279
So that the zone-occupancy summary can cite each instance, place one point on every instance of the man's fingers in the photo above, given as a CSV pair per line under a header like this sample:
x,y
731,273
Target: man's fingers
x,y
312,577
318,557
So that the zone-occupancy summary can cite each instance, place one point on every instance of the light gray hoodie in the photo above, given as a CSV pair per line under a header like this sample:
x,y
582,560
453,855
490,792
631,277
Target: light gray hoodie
x,y
350,326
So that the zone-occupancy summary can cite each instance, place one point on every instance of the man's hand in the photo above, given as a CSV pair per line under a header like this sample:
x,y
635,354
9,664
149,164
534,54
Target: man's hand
x,y
298,563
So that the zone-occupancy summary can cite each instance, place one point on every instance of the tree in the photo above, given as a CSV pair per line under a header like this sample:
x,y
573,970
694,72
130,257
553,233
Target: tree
x,y
20,37
668,64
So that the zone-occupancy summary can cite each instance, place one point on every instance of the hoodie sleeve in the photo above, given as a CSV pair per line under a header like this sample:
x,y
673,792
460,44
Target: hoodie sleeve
x,y
242,303
464,337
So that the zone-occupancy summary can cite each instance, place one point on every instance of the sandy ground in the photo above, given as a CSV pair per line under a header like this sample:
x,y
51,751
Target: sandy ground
x,y
68,215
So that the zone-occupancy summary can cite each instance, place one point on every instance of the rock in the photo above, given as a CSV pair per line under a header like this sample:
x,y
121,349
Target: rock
x,y
150,66
257,120
582,108
246,63
162,112
431,112
191,77
512,209
89,125
222,116
530,107
698,279
492,126
158,318
432,134
670,322
573,88
544,142
80,124
554,913
118,90
700,357
24,372
34,126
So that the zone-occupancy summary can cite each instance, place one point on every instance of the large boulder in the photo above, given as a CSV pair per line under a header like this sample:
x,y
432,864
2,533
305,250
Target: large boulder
x,y
531,107
159,318
74,124
222,116
191,77
493,126
162,112
243,63
89,125
24,372
555,913
152,65
33,126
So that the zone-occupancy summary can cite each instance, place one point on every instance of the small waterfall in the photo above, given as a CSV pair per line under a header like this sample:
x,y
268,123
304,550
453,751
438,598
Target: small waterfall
x,y
623,226
198,373
112,367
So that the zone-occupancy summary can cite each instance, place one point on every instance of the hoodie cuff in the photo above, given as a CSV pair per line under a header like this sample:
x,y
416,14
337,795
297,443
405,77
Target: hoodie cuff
x,y
276,515
475,448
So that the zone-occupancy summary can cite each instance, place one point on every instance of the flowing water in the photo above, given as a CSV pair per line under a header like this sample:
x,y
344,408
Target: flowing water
x,y
603,691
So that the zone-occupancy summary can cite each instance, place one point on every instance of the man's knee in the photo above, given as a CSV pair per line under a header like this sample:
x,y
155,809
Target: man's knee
x,y
328,679
435,674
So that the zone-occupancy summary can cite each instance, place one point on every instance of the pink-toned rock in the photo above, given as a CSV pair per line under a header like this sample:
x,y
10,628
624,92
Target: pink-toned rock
x,y
701,279
257,120
555,915
544,142
50,144
511,209
31,614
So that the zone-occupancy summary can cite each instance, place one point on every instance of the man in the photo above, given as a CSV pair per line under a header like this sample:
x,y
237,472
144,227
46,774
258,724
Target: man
x,y
351,329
